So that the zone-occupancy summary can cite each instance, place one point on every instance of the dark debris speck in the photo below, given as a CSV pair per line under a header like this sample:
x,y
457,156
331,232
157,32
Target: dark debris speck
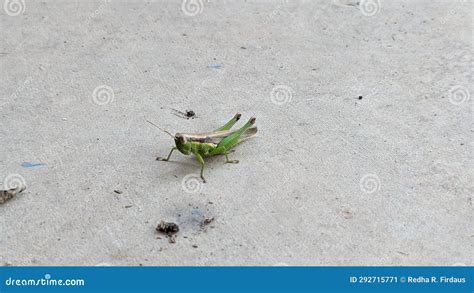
x,y
190,113
168,228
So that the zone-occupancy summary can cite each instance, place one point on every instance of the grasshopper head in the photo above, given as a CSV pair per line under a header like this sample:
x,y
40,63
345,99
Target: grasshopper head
x,y
182,143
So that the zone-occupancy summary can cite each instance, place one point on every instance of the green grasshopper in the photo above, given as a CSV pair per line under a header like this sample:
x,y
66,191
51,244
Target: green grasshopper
x,y
209,144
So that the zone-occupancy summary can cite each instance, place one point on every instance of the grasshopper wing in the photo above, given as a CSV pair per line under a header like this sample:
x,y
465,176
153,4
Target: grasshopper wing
x,y
217,136
251,132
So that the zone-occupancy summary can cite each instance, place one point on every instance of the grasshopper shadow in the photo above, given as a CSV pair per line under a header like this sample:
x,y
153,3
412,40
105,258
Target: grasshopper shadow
x,y
188,165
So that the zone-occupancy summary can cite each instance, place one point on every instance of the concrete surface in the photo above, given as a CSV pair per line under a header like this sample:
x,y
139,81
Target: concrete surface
x,y
331,179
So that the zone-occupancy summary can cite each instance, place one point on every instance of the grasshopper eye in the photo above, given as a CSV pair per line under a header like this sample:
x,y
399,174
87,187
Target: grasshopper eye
x,y
179,137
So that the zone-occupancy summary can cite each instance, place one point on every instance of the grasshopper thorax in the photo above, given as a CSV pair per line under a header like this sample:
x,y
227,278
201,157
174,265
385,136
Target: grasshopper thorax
x,y
183,145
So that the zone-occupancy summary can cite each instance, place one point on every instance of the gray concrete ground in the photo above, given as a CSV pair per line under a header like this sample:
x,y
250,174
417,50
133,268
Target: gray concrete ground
x,y
331,179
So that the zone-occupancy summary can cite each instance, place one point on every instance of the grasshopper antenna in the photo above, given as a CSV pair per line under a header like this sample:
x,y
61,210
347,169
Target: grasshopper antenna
x,y
159,128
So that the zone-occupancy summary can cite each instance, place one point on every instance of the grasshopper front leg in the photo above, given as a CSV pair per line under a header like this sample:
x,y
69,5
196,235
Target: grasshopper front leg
x,y
201,160
169,155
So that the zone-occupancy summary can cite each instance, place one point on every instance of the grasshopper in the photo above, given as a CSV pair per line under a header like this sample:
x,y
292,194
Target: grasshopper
x,y
217,142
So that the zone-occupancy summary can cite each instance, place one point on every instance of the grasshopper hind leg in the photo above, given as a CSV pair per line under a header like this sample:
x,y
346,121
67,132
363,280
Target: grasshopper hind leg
x,y
231,123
